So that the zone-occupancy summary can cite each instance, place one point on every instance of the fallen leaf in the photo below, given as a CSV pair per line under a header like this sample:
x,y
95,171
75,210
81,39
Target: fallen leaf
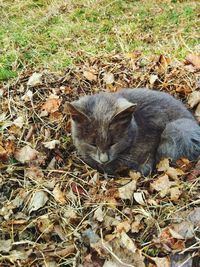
x,y
52,104
128,242
139,197
44,224
35,79
162,185
194,60
194,99
174,173
3,154
153,78
90,76
175,193
162,262
123,226
59,195
98,214
26,154
108,78
136,226
194,216
38,200
185,229
27,96
51,144
5,245
34,173
162,64
126,191
19,122
163,165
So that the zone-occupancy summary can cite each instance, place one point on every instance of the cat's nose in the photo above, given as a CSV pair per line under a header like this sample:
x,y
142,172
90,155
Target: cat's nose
x,y
103,157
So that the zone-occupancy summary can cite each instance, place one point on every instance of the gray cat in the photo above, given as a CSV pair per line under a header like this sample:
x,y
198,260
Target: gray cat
x,y
132,129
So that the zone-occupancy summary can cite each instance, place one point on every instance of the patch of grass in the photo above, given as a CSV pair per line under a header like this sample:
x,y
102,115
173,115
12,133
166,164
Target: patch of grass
x,y
51,34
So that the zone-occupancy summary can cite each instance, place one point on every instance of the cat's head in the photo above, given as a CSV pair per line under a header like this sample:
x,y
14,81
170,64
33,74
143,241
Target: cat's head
x,y
101,126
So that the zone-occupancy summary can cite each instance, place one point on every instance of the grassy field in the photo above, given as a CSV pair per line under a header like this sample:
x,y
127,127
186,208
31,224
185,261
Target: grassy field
x,y
55,34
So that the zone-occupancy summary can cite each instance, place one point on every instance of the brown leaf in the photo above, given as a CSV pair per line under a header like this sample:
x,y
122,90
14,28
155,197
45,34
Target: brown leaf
x,y
162,185
194,60
44,224
194,173
162,63
3,154
52,104
164,262
59,195
34,173
90,76
194,99
175,193
126,191
26,154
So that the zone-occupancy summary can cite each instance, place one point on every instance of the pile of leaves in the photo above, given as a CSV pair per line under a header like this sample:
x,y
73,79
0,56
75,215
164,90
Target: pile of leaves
x,y
57,211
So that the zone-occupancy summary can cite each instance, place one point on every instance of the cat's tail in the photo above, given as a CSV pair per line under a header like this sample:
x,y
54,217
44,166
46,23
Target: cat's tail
x,y
180,138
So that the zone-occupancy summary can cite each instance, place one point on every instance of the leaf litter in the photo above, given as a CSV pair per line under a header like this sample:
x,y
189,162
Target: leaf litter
x,y
57,211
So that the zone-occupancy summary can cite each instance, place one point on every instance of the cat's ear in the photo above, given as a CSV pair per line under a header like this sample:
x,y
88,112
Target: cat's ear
x,y
76,114
124,112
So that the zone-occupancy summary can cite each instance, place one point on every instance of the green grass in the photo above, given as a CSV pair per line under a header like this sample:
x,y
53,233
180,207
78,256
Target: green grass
x,y
56,34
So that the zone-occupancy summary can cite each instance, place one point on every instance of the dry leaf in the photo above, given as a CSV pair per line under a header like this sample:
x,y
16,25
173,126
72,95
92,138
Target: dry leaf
x,y
90,76
34,173
194,99
163,165
123,226
98,214
127,242
162,185
137,225
153,78
35,79
5,245
59,195
52,104
174,234
162,262
174,173
185,229
194,60
26,154
3,154
126,191
44,224
108,78
162,64
51,144
38,201
139,198
175,193
194,216
19,122
27,96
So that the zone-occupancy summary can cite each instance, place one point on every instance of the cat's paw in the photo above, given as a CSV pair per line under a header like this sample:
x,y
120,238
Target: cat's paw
x,y
145,169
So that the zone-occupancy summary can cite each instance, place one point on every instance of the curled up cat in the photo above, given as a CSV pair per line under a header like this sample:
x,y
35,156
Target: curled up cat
x,y
132,129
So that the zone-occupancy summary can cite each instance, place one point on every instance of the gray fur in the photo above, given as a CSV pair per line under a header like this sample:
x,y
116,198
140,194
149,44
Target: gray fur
x,y
134,129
